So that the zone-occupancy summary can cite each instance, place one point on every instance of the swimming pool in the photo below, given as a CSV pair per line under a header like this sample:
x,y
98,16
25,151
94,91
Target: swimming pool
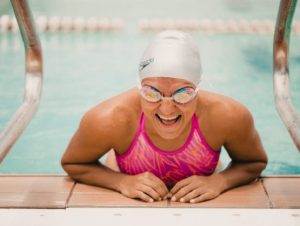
x,y
82,69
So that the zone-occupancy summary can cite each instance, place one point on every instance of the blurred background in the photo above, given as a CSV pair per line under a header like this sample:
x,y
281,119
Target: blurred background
x,y
83,67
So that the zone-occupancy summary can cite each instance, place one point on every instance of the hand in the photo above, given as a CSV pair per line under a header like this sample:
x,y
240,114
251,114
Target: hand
x,y
145,186
196,189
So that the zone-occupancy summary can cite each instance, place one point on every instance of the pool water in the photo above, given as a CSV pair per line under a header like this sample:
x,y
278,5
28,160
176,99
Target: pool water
x,y
83,69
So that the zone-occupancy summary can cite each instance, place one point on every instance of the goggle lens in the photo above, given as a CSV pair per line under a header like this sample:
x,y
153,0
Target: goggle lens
x,y
184,95
150,94
181,96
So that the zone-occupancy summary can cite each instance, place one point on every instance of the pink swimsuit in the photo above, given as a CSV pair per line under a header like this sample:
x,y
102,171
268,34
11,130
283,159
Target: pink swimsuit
x,y
195,157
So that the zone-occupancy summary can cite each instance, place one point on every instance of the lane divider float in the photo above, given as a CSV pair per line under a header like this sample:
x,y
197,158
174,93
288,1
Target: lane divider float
x,y
65,24
93,24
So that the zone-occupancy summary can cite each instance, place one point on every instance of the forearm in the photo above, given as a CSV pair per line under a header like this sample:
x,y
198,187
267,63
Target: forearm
x,y
95,174
237,174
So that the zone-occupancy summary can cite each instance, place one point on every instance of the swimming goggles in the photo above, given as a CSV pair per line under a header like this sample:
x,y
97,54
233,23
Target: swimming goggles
x,y
181,96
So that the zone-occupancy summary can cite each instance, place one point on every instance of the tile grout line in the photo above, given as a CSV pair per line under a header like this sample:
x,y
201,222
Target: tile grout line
x,y
267,194
169,203
70,195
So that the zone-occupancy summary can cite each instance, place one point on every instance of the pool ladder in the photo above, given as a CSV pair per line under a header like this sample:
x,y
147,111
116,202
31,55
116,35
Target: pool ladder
x,y
33,82
281,82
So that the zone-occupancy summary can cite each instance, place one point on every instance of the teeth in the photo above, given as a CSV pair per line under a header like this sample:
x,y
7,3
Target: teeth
x,y
168,118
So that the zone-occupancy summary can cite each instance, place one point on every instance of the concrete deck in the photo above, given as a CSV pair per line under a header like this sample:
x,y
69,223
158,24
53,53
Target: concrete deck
x,y
60,192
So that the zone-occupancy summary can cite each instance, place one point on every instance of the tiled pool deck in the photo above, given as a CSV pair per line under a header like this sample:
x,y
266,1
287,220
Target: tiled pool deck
x,y
60,192
47,200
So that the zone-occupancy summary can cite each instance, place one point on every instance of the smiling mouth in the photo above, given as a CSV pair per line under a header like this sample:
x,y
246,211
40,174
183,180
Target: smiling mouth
x,y
168,121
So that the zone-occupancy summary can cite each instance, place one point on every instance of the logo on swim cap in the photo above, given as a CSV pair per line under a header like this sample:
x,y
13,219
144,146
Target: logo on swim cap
x,y
145,63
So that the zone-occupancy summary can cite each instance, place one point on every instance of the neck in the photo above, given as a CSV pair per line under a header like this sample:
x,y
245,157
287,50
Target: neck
x,y
167,144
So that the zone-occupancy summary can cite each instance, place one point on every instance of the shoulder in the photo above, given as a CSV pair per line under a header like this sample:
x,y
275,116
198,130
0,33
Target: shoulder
x,y
226,116
112,119
223,107
232,125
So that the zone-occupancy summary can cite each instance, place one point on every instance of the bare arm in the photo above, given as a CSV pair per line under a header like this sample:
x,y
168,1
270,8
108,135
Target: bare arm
x,y
87,146
246,151
97,135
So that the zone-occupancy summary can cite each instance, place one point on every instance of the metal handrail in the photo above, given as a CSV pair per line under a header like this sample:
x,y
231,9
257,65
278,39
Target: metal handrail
x,y
33,82
281,81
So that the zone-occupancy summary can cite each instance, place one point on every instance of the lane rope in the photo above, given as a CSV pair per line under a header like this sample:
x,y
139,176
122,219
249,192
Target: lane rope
x,y
93,24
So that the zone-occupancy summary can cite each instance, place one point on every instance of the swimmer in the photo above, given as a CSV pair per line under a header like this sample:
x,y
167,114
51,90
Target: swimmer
x,y
166,135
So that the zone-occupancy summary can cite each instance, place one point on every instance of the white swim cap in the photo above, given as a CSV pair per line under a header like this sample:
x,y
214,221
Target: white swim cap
x,y
172,54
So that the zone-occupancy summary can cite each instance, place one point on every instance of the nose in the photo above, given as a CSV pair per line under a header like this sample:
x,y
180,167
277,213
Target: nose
x,y
167,106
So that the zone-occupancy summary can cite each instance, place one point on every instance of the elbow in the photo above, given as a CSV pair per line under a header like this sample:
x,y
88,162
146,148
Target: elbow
x,y
64,163
264,162
68,167
74,171
261,163
255,168
77,171
261,166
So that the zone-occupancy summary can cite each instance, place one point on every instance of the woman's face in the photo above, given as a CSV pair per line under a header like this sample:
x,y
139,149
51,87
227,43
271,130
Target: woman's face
x,y
167,118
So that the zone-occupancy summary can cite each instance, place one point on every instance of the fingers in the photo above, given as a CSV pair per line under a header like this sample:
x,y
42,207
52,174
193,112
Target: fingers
x,y
145,186
197,195
186,192
195,189
203,197
182,188
150,188
194,193
143,192
157,184
141,195
149,191
180,185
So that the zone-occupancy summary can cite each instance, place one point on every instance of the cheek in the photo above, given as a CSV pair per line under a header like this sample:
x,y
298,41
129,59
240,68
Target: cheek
x,y
148,107
188,110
